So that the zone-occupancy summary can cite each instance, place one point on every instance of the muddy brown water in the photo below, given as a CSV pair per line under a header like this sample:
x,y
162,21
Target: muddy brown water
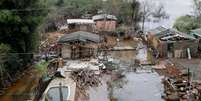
x,y
22,89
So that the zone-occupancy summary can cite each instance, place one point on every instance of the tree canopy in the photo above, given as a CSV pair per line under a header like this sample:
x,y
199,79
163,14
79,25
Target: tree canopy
x,y
190,22
186,23
19,20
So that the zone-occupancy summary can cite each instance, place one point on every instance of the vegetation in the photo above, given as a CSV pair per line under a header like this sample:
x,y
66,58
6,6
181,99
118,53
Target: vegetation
x,y
188,23
42,67
19,21
126,11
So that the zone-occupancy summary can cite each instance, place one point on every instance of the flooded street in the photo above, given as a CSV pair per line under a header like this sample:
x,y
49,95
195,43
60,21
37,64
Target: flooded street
x,y
100,93
125,84
142,53
139,84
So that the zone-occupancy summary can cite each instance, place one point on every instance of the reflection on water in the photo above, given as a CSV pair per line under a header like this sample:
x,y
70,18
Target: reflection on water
x,y
140,87
55,93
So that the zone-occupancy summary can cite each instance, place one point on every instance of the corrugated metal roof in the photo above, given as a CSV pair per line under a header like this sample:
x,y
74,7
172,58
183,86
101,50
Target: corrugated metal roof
x,y
80,21
197,32
80,36
181,34
164,33
104,16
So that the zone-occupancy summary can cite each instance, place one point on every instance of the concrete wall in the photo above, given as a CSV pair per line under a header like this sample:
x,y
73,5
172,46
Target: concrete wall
x,y
106,25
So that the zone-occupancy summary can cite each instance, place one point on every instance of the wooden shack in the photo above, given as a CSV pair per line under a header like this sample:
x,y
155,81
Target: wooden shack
x,y
79,44
172,43
197,34
105,22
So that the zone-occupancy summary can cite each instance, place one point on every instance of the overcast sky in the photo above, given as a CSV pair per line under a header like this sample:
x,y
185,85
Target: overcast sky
x,y
175,9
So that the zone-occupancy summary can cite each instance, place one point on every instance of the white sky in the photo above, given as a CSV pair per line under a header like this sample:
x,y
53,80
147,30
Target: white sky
x,y
175,9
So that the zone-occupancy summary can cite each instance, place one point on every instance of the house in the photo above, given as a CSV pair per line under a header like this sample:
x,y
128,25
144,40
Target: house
x,y
197,34
172,43
79,44
105,22
74,25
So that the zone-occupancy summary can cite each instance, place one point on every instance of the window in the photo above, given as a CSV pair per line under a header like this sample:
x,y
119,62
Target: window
x,y
56,93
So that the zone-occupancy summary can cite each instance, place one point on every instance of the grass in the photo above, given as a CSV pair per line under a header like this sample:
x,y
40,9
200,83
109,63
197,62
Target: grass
x,y
42,67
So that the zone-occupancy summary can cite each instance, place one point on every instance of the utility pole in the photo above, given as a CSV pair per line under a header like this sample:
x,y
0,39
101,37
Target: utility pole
x,y
143,18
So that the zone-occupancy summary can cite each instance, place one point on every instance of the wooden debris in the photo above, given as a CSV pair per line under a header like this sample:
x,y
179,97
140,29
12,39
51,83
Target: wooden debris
x,y
85,78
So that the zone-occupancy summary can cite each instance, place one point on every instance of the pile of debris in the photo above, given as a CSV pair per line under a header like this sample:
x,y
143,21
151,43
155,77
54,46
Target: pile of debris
x,y
172,70
85,78
178,85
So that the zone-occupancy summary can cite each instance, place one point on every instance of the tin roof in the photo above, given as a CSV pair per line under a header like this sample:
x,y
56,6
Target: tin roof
x,y
197,32
80,36
169,34
104,16
80,21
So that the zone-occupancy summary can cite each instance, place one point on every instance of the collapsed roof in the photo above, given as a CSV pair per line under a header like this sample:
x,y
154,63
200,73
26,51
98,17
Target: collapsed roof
x,y
197,32
104,16
165,34
80,36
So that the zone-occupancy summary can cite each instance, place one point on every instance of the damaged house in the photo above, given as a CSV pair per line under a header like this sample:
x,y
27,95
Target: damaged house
x,y
197,34
172,43
105,22
79,44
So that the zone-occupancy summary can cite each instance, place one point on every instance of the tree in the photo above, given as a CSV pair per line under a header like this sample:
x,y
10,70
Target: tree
x,y
60,2
159,12
186,23
150,10
19,21
197,8
127,11
19,24
135,13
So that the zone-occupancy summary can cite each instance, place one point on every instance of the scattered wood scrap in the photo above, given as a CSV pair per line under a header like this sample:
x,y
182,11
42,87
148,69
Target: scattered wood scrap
x,y
85,78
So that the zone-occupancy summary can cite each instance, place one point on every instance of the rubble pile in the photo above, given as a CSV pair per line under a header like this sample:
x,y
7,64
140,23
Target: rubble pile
x,y
178,85
171,70
85,78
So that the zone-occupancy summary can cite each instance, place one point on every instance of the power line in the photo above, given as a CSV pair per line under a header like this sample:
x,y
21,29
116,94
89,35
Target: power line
x,y
33,9
27,9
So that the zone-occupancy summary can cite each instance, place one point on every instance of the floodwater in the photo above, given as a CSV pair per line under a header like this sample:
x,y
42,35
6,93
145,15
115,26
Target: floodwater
x,y
22,89
140,87
101,92
142,53
143,85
